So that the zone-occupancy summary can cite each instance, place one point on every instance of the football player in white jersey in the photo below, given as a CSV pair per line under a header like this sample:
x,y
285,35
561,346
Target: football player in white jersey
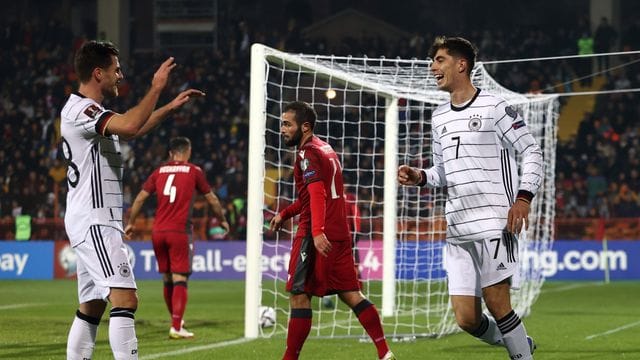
x,y
475,138
93,219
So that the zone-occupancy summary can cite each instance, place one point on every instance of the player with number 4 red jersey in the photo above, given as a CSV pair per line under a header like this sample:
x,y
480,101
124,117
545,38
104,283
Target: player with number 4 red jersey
x,y
175,184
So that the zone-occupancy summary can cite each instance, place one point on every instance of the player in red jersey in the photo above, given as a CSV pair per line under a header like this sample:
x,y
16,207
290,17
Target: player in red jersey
x,y
174,184
353,221
321,256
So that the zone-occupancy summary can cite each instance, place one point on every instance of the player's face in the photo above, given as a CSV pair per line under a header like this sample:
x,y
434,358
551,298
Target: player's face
x,y
111,78
444,68
290,130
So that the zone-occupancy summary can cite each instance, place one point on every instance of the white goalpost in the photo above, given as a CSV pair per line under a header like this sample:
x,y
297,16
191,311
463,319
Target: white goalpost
x,y
376,113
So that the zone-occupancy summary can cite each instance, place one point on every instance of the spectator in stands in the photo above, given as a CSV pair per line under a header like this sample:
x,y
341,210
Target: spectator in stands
x,y
603,40
585,47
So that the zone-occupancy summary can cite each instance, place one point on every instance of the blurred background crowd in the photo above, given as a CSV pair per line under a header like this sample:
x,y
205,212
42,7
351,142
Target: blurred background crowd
x,y
597,165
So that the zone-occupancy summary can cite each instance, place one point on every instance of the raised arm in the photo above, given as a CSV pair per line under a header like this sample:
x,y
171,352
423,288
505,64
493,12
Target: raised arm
x,y
141,118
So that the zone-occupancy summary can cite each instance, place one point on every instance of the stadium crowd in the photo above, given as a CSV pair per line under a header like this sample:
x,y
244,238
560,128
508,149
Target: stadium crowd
x,y
597,170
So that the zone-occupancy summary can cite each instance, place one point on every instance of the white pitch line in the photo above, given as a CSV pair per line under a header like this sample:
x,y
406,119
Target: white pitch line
x,y
623,327
18,306
570,287
196,348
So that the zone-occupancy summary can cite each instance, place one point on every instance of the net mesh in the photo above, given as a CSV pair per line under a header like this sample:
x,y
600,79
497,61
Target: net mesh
x,y
350,96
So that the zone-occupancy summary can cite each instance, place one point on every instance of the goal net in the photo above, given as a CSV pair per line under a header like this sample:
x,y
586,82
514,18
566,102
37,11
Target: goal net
x,y
376,113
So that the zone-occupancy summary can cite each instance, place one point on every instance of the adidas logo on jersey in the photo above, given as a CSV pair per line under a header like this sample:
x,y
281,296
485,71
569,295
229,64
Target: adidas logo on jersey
x,y
501,267
444,130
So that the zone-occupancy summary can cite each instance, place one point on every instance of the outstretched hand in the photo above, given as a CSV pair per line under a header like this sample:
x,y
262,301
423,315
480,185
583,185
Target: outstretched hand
x,y
161,77
184,97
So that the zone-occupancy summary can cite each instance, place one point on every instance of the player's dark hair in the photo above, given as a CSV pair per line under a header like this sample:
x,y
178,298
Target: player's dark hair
x,y
304,112
456,47
93,54
179,144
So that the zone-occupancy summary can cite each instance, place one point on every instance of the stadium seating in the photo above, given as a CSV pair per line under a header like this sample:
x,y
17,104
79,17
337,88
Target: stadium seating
x,y
38,76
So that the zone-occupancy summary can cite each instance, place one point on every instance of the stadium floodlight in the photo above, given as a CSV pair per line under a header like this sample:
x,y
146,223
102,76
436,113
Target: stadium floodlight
x,y
380,118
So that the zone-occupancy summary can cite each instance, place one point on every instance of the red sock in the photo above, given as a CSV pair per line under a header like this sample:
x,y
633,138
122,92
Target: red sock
x,y
297,332
168,293
370,320
179,301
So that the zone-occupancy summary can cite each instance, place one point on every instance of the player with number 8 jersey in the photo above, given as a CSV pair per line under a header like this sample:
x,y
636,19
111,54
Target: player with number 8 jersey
x,y
90,140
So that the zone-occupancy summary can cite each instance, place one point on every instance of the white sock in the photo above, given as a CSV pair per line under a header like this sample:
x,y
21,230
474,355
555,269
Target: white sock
x,y
514,336
82,337
488,331
122,334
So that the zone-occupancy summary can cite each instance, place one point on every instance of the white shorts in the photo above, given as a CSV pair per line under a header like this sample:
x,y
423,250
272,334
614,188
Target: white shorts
x,y
475,265
103,263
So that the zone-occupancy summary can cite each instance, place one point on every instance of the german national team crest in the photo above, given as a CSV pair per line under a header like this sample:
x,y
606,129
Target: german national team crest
x,y
475,123
124,270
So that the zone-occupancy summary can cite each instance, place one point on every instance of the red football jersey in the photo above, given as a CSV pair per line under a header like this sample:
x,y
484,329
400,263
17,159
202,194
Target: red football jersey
x,y
316,161
353,213
174,184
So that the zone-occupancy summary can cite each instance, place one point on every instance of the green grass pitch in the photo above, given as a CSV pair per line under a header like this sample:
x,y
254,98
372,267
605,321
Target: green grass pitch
x,y
570,320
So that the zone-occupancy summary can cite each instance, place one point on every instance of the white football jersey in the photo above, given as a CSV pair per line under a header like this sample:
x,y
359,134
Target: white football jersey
x,y
474,156
95,168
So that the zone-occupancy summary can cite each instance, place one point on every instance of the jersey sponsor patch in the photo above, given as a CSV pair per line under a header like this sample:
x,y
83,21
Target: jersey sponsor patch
x,y
518,124
309,174
91,111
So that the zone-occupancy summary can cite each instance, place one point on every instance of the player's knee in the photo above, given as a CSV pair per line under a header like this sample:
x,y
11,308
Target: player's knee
x,y
352,298
300,301
468,323
124,298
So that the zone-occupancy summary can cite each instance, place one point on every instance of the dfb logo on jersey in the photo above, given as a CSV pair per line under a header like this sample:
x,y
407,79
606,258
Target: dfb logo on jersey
x,y
475,123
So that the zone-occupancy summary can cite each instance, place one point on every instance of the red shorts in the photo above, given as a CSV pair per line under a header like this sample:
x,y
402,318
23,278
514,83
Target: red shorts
x,y
174,251
314,274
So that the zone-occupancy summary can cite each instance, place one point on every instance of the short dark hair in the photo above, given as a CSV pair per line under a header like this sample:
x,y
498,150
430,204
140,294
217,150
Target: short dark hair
x,y
304,112
456,46
179,144
93,54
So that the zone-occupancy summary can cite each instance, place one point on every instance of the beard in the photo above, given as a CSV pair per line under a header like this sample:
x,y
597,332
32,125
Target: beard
x,y
295,139
110,92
